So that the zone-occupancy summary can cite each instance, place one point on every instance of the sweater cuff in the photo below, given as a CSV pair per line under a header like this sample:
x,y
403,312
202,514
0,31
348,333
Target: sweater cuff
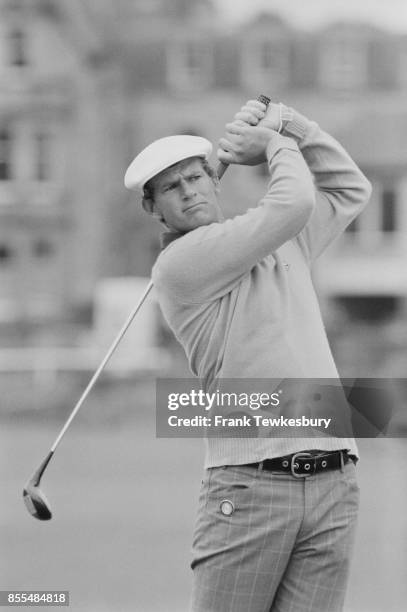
x,y
278,142
296,126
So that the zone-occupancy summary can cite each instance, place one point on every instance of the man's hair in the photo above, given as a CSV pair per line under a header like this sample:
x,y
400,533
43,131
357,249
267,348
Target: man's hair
x,y
148,189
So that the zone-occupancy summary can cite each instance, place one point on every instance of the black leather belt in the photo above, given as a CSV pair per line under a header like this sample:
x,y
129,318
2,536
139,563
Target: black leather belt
x,y
306,463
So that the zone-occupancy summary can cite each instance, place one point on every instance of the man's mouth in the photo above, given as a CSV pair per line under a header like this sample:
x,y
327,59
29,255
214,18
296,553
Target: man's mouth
x,y
191,206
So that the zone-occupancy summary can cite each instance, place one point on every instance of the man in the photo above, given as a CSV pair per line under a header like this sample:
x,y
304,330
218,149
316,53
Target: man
x,y
276,515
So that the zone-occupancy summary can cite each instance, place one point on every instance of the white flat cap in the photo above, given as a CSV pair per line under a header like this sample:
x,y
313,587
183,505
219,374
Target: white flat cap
x,y
162,154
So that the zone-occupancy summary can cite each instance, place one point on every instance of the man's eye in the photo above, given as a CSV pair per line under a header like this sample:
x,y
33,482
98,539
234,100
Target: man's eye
x,y
196,177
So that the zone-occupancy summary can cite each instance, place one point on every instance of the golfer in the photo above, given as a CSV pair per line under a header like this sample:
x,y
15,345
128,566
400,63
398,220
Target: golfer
x,y
276,517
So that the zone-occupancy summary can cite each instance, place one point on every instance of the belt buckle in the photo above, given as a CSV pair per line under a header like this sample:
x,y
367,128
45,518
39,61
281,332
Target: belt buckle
x,y
295,465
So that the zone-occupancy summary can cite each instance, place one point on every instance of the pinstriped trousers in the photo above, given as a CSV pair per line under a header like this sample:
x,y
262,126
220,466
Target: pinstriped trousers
x,y
285,547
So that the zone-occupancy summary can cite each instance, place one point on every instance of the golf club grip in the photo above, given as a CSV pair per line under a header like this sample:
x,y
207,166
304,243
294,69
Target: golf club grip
x,y
221,169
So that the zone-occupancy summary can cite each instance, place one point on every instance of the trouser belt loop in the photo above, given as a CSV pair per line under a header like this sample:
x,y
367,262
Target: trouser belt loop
x,y
260,466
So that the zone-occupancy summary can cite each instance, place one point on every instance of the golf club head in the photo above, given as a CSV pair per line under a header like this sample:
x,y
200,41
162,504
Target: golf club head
x,y
36,502
34,499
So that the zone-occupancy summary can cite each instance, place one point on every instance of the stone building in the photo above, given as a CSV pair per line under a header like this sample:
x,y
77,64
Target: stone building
x,y
60,117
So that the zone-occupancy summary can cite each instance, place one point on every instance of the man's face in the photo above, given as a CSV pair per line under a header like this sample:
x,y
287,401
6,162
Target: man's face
x,y
186,196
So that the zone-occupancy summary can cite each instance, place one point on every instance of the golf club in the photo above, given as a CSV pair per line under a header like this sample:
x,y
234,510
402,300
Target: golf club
x,y
35,500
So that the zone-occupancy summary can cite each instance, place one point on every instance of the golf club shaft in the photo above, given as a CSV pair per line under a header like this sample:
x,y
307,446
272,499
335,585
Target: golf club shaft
x,y
221,169
102,365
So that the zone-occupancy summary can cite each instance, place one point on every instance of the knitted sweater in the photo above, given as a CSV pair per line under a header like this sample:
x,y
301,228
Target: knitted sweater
x,y
238,294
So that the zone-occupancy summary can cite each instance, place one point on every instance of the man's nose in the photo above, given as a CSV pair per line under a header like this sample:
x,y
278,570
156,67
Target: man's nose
x,y
187,189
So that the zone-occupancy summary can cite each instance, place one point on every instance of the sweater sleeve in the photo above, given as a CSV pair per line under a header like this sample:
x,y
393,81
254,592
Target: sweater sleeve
x,y
342,191
209,261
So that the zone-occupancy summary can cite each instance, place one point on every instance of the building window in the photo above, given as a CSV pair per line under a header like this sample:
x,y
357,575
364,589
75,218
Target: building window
x,y
5,154
42,248
190,65
265,63
343,62
389,212
272,56
42,161
370,308
376,224
194,57
5,254
18,48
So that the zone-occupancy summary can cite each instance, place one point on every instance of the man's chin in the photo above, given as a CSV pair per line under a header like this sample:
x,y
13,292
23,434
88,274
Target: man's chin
x,y
198,221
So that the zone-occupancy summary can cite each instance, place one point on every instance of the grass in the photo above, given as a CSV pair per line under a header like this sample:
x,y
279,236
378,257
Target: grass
x,y
124,505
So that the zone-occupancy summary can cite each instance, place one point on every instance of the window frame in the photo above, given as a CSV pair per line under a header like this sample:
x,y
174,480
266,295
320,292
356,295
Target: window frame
x,y
255,74
338,50
181,77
